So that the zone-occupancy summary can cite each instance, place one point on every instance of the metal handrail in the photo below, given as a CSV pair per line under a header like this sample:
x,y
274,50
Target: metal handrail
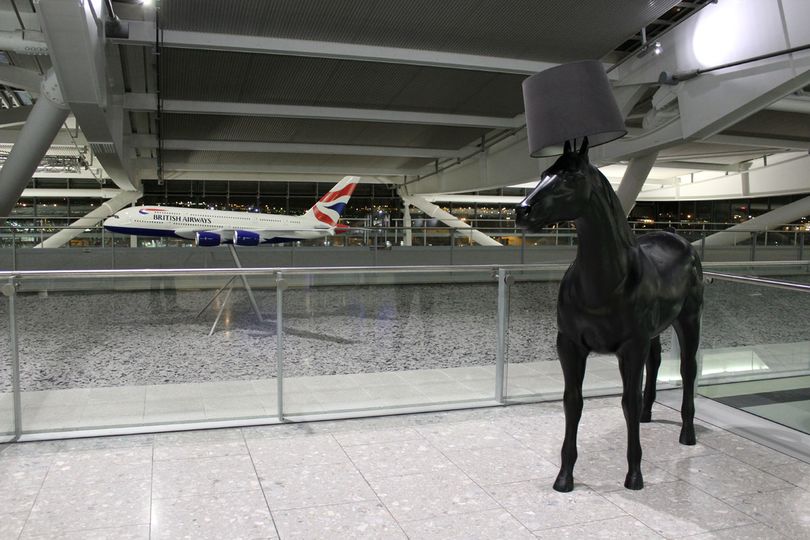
x,y
299,270
196,272
777,284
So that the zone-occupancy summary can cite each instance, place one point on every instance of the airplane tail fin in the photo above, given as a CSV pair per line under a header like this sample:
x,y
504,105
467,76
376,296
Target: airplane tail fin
x,y
326,212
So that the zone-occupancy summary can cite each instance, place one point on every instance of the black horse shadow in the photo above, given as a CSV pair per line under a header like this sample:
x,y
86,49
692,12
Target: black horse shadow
x,y
619,294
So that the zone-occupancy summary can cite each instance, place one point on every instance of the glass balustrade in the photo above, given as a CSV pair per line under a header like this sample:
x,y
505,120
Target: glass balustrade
x,y
533,370
114,351
140,350
366,340
756,345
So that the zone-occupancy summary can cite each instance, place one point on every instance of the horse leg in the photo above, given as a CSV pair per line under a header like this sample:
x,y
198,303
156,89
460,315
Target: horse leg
x,y
632,356
653,363
572,359
687,327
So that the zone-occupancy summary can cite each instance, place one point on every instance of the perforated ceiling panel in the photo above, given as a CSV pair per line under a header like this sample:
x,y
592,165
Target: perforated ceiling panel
x,y
531,29
251,128
242,159
242,77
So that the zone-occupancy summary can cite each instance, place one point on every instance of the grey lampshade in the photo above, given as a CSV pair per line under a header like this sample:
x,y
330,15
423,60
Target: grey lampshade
x,y
568,102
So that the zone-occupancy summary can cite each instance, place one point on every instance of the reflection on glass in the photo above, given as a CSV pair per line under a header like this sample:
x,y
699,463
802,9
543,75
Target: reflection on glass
x,y
533,370
121,352
756,349
366,342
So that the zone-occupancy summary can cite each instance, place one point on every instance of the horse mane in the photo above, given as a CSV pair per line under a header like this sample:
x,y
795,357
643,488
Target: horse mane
x,y
608,194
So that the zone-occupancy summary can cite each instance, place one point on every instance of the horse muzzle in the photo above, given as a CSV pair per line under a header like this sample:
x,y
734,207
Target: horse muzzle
x,y
526,218
522,214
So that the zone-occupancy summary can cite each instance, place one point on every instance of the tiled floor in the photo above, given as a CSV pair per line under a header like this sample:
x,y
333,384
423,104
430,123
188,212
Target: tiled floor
x,y
479,473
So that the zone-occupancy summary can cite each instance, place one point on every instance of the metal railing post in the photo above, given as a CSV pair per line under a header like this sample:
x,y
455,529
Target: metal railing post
x,y
703,245
753,246
452,244
375,246
504,282
10,291
13,249
523,247
280,345
801,245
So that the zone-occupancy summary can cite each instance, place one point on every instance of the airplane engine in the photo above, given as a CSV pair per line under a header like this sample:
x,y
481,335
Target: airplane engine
x,y
207,239
246,238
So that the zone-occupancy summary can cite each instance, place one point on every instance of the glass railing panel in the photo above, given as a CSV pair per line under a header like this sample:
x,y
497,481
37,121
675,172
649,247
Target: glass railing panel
x,y
108,352
370,341
753,332
533,370
756,349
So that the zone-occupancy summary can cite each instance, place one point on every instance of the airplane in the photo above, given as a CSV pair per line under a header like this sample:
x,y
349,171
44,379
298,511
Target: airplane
x,y
215,227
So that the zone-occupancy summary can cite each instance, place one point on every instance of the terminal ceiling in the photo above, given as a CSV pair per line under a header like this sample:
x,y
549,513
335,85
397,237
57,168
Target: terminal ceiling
x,y
310,90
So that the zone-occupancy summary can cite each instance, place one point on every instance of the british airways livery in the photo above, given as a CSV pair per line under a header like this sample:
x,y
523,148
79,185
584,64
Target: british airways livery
x,y
215,227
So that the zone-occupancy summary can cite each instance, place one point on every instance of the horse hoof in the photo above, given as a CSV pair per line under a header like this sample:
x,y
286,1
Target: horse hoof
x,y
646,417
634,481
564,483
687,437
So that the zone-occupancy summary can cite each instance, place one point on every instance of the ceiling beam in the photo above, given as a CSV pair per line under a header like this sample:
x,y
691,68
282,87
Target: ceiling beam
x,y
695,165
243,176
17,77
148,103
150,141
275,169
62,140
66,193
759,142
16,116
89,80
143,33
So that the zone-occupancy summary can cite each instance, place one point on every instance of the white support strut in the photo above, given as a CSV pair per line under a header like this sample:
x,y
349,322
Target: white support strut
x,y
448,219
92,219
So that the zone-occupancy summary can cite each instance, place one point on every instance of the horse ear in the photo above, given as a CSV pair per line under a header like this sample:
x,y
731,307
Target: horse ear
x,y
567,147
583,150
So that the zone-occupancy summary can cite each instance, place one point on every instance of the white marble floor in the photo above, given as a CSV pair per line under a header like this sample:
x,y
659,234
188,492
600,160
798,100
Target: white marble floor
x,y
479,473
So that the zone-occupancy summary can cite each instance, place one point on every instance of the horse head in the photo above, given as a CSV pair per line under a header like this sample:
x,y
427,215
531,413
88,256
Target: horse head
x,y
562,193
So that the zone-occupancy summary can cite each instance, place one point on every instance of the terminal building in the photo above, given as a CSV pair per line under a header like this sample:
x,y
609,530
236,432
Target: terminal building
x,y
393,373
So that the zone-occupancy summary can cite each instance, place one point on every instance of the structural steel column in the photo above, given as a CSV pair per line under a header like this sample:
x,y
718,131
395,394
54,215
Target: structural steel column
x,y
780,216
44,122
448,219
92,219
633,180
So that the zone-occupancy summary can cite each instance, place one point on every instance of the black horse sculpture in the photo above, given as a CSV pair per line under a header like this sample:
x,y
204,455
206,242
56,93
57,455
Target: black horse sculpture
x,y
618,295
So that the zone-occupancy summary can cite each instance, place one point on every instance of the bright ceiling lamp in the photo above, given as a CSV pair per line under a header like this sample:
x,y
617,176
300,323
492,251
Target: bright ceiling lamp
x,y
718,33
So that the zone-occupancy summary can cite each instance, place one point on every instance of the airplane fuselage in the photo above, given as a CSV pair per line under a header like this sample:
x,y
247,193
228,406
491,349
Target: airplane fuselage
x,y
186,223
215,227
